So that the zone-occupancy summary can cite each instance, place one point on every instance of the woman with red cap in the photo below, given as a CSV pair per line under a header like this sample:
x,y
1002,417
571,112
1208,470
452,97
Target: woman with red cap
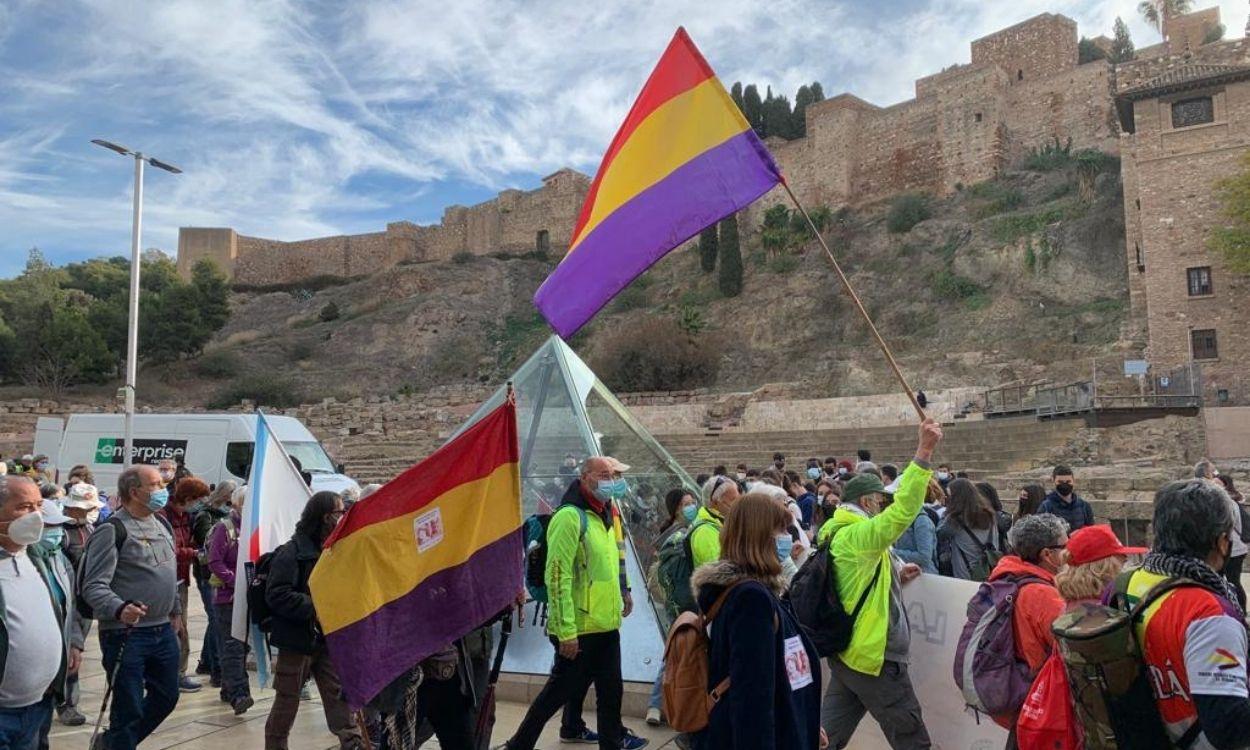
x,y
1095,557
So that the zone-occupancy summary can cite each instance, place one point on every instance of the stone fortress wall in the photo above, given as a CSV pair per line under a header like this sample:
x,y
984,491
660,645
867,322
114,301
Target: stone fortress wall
x,y
1022,89
514,222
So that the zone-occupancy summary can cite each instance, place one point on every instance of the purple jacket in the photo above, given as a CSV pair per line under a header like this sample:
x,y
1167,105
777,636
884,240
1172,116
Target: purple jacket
x,y
223,553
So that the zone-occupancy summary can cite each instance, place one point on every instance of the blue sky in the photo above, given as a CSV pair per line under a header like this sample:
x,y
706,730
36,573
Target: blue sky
x,y
300,119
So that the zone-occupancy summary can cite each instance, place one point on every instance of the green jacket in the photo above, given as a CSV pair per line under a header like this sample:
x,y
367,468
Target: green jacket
x,y
705,540
583,575
861,546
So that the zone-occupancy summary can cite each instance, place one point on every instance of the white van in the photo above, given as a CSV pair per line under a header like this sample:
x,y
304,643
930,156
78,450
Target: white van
x,y
214,447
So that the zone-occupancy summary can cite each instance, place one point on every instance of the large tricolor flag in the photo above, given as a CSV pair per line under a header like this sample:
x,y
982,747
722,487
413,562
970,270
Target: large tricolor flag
x,y
432,555
276,497
684,158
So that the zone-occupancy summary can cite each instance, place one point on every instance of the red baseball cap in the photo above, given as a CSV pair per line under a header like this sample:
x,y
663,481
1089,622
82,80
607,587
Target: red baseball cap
x,y
1093,543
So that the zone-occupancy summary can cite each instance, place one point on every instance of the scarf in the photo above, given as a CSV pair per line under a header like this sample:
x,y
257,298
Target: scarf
x,y
1180,566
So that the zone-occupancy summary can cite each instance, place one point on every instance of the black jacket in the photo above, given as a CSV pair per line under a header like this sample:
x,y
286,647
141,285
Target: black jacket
x,y
293,620
1076,511
760,711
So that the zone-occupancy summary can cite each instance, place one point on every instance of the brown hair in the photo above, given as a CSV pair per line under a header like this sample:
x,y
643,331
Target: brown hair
x,y
749,539
189,490
933,493
968,505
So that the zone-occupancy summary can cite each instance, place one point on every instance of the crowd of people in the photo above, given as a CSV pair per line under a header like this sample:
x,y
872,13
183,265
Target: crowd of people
x,y
742,552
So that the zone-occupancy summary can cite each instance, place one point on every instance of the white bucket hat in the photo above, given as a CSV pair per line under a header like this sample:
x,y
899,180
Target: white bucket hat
x,y
84,496
52,515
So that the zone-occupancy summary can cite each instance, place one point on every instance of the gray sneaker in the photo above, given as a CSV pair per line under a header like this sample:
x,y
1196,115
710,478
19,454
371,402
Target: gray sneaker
x,y
70,716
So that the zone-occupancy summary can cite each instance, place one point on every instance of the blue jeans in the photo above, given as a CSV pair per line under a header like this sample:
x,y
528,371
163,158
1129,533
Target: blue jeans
x,y
20,727
209,655
145,684
657,690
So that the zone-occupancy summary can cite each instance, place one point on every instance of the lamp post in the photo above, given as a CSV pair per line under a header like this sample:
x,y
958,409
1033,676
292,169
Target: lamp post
x,y
132,333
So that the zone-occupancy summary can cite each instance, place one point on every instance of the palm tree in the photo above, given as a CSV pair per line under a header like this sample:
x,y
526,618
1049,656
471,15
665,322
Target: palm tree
x,y
1157,12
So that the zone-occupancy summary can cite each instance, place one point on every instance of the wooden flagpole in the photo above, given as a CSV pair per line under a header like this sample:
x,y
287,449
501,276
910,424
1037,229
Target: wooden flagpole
x,y
846,284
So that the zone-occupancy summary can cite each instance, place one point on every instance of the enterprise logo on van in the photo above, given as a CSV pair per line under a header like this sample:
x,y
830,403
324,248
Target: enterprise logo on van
x,y
110,450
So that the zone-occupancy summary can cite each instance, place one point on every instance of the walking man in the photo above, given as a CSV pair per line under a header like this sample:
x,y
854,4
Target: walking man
x,y
588,595
130,581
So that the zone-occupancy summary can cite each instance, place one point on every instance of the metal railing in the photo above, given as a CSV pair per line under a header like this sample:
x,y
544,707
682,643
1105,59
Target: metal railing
x,y
1178,388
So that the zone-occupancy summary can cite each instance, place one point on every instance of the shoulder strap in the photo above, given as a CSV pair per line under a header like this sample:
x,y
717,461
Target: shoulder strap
x,y
119,532
864,596
714,610
689,540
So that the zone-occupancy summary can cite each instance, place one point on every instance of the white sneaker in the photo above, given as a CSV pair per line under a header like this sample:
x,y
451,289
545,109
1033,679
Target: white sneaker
x,y
654,718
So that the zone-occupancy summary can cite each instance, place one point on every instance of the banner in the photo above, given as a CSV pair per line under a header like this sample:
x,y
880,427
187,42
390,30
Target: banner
x,y
937,609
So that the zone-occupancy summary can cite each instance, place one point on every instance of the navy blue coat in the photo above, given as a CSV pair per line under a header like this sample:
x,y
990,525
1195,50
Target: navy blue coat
x,y
760,711
1076,511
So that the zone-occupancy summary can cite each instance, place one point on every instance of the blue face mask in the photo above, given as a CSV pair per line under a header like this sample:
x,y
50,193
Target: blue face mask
x,y
813,473
611,489
52,536
785,545
158,499
689,512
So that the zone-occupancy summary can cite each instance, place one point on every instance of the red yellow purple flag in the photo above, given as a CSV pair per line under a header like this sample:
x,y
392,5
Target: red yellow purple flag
x,y
684,158
423,561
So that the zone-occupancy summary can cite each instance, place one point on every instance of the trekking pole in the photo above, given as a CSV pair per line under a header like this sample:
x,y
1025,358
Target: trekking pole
x,y
108,691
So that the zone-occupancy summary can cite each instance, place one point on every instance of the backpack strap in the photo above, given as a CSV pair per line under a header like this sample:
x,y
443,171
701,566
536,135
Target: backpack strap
x,y
722,687
827,549
689,540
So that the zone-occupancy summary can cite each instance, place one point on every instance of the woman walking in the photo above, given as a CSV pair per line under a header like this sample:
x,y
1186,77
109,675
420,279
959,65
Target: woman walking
x,y
773,698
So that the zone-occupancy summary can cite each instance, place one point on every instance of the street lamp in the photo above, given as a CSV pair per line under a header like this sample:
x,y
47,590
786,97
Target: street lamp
x,y
132,334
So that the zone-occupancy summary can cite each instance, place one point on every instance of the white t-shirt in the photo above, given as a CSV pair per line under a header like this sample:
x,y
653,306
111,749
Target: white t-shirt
x,y
36,647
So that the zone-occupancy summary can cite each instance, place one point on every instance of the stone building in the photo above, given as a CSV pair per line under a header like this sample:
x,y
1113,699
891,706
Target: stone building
x,y
514,222
1185,116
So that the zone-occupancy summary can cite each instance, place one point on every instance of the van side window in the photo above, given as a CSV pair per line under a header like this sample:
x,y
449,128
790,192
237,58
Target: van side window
x,y
239,458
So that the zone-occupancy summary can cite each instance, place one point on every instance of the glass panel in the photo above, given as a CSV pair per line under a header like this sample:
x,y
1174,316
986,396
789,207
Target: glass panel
x,y
311,456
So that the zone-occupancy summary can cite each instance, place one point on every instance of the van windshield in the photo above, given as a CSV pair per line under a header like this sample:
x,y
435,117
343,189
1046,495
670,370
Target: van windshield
x,y
311,456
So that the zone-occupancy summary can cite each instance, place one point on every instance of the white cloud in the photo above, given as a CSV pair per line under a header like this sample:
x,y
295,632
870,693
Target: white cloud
x,y
295,119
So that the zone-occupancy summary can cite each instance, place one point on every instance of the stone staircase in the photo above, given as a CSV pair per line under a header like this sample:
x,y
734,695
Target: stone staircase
x,y
983,447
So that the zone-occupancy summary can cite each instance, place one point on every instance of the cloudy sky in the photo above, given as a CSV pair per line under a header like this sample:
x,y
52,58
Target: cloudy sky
x,y
300,119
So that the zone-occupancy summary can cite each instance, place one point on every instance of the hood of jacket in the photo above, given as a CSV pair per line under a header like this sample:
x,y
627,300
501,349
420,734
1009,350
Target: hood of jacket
x,y
708,581
1013,565
573,496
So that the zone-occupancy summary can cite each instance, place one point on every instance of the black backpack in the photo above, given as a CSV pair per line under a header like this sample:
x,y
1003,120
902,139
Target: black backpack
x,y
85,610
813,595
257,581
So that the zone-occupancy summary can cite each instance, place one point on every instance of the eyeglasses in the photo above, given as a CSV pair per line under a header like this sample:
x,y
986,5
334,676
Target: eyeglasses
x,y
1056,546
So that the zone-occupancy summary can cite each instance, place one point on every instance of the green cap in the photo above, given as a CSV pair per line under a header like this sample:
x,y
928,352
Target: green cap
x,y
860,485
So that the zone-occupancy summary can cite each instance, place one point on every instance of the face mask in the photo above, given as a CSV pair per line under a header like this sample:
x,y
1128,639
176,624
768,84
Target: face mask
x,y
813,473
26,530
93,516
157,499
689,512
1064,488
741,476
611,489
785,545
842,471
42,466
167,475
943,476
52,536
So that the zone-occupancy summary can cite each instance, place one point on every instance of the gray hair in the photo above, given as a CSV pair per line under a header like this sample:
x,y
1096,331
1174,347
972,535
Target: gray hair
x,y
1032,534
1190,517
222,493
7,484
128,482
716,486
1204,469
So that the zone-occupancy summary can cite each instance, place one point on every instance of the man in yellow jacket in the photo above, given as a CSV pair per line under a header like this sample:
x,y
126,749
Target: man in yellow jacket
x,y
587,596
871,674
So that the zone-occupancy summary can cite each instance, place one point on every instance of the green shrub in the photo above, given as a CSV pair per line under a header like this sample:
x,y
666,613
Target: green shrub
x,y
783,264
657,355
996,198
1011,228
690,319
949,285
906,211
1050,157
218,364
301,351
462,257
267,389
632,297
329,312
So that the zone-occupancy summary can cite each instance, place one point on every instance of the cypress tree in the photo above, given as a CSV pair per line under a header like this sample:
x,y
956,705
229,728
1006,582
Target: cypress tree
x,y
730,278
1122,45
735,93
753,108
818,93
707,249
801,100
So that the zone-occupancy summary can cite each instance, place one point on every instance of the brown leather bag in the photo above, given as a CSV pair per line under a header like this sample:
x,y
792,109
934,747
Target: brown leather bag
x,y
686,700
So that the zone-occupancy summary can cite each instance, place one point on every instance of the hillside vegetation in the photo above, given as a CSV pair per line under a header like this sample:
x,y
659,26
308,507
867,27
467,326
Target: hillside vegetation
x,y
1020,277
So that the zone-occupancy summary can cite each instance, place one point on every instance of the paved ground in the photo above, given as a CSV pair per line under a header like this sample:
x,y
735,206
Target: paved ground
x,y
201,722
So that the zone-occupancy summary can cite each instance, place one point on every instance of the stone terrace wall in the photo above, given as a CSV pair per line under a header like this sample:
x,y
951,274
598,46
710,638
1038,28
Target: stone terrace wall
x,y
261,262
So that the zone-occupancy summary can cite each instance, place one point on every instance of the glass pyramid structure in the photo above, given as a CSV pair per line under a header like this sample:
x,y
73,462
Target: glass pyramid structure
x,y
564,410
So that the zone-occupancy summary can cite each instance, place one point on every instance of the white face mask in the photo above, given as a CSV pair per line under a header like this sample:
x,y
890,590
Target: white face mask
x,y
26,530
93,516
